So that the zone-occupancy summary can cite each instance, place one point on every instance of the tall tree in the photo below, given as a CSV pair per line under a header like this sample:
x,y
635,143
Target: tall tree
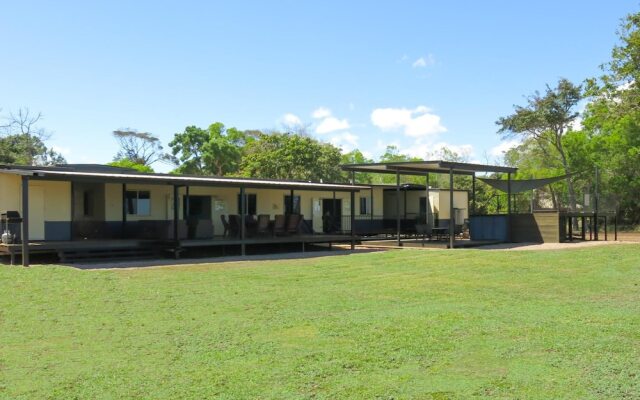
x,y
212,151
142,148
612,120
356,157
546,119
22,140
291,156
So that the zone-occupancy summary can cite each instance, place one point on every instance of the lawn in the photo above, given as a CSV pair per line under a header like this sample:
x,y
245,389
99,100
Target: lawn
x,y
402,324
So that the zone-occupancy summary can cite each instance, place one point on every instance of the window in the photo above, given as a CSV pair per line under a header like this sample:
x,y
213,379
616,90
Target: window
x,y
252,204
138,202
363,206
199,207
289,208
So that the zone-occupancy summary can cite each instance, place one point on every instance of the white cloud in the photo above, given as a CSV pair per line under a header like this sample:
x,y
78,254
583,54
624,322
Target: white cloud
x,y
423,62
503,147
321,112
291,120
332,124
328,123
345,140
433,151
418,122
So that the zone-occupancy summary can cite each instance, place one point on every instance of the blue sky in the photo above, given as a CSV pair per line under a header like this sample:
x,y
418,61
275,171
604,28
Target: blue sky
x,y
358,74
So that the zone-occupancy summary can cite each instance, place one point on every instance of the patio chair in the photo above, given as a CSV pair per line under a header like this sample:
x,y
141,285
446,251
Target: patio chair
x,y
293,222
225,225
279,225
250,224
234,225
263,224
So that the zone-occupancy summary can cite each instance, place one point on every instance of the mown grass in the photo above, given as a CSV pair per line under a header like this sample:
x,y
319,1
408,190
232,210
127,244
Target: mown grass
x,y
402,324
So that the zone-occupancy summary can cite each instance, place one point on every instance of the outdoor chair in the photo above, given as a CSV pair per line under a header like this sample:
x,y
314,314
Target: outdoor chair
x,y
250,224
279,225
293,222
263,224
225,225
234,225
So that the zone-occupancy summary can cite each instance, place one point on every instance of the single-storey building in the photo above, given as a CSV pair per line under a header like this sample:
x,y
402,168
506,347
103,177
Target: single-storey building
x,y
83,210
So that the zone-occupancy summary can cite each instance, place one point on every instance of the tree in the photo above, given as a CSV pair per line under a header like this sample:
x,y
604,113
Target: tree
x,y
612,120
126,163
22,141
356,157
546,119
212,151
291,156
142,148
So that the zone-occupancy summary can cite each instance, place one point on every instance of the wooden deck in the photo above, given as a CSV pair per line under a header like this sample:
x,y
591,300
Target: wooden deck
x,y
122,247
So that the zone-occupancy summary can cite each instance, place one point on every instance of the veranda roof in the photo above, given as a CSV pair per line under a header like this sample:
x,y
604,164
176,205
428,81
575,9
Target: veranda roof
x,y
424,167
119,175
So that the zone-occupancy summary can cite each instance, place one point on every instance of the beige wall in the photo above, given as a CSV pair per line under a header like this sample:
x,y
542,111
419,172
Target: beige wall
x,y
48,201
57,196
9,192
57,204
224,201
161,202
439,200
460,200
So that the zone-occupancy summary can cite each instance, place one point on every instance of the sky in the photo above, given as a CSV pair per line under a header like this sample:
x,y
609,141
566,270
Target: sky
x,y
419,75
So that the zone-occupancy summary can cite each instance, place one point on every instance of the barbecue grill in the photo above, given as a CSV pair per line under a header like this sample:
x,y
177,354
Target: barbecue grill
x,y
9,224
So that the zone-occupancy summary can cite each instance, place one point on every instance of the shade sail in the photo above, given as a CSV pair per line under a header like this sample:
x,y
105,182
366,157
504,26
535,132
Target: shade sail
x,y
518,186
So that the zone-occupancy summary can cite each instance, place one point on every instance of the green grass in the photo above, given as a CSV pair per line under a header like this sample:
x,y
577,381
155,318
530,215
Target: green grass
x,y
402,324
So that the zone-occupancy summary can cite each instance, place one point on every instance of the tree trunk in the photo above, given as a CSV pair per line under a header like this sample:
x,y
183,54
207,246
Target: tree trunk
x,y
554,200
567,171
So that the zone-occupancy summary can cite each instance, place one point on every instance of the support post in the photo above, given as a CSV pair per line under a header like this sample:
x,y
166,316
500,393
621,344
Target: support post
x,y
473,194
289,210
25,221
187,201
595,200
570,228
615,227
452,217
509,238
605,228
353,219
584,228
405,204
427,203
371,208
73,210
123,224
243,214
332,228
398,206
176,216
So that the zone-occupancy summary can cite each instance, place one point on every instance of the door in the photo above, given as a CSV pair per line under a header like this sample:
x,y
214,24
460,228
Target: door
x,y
36,213
331,215
316,215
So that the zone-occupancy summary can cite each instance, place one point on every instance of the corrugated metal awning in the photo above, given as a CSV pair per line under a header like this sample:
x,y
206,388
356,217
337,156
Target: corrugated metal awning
x,y
58,174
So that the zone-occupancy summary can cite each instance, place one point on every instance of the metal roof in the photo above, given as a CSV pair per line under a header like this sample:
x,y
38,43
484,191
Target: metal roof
x,y
423,167
61,173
